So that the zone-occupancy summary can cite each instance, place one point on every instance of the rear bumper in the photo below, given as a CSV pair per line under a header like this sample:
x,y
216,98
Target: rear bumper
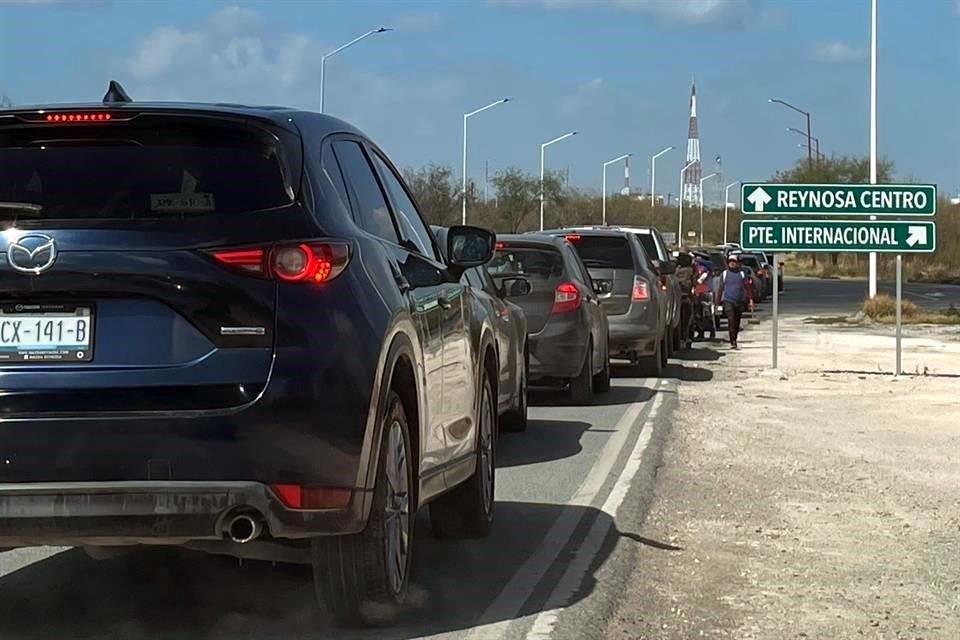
x,y
634,332
558,350
120,513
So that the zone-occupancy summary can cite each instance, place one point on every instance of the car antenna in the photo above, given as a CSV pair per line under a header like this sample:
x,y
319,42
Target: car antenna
x,y
115,94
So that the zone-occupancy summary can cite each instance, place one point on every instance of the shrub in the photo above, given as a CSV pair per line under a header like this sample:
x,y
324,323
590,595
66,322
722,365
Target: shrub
x,y
883,306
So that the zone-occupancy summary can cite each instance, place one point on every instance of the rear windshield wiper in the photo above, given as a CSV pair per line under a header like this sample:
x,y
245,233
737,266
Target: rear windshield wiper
x,y
21,207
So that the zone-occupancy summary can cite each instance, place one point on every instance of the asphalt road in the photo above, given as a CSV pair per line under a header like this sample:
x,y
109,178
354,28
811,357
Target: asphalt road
x,y
559,486
816,296
571,491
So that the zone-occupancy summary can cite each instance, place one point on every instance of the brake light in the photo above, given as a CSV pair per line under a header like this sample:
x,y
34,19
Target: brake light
x,y
304,262
78,117
501,245
566,298
641,290
573,238
294,496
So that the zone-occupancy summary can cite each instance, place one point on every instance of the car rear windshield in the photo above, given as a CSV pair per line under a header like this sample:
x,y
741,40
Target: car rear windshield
x,y
609,252
750,261
649,244
533,263
152,167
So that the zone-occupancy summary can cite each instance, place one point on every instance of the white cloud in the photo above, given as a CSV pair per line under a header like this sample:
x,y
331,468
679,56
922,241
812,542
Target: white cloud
x,y
417,23
837,52
584,97
235,55
730,13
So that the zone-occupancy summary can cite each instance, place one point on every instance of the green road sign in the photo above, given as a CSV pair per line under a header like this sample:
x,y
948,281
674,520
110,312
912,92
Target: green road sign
x,y
838,237
839,199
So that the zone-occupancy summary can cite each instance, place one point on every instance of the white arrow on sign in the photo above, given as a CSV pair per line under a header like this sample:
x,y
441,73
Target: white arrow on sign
x,y
759,198
916,235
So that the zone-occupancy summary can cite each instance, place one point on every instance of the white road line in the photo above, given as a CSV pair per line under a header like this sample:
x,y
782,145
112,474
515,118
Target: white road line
x,y
494,621
573,577
16,559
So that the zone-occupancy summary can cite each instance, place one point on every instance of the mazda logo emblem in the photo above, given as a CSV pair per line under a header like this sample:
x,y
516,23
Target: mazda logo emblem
x,y
32,253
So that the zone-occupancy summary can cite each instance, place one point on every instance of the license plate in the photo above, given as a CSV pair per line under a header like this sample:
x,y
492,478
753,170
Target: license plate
x,y
46,333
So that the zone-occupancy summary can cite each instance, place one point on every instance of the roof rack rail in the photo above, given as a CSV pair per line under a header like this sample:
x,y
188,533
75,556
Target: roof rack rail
x,y
116,95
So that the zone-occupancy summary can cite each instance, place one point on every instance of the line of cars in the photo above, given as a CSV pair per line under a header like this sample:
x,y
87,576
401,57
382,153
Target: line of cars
x,y
229,328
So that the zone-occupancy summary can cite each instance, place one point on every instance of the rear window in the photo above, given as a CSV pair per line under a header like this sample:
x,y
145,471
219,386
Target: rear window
x,y
750,261
535,264
150,168
649,244
608,252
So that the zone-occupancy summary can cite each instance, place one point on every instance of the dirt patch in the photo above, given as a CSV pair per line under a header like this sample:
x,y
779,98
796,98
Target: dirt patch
x,y
825,505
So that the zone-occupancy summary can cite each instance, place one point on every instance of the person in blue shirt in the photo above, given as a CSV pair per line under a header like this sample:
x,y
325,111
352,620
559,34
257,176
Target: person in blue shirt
x,y
733,297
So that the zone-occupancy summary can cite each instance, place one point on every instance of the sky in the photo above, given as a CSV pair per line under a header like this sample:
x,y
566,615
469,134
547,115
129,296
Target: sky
x,y
617,71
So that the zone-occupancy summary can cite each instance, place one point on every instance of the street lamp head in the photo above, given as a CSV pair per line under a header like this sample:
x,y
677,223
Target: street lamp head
x,y
573,133
383,30
506,100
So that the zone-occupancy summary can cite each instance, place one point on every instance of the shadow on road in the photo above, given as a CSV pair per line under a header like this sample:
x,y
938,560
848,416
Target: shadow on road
x,y
174,594
618,394
543,440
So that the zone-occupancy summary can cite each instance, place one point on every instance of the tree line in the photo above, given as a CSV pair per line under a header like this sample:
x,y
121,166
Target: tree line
x,y
515,206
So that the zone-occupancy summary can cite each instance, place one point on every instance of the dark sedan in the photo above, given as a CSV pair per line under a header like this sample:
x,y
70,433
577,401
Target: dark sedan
x,y
567,327
510,324
229,328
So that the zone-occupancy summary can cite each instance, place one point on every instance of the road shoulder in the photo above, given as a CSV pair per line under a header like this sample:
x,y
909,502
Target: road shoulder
x,y
820,506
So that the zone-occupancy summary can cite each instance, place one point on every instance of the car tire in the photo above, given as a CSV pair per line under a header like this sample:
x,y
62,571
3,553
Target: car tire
x,y
516,419
676,339
362,578
601,381
664,355
467,510
651,366
581,387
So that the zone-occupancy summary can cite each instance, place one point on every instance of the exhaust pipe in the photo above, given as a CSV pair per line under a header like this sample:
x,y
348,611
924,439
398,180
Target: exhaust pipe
x,y
244,528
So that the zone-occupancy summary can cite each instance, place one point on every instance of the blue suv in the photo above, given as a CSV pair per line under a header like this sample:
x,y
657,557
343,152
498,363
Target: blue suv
x,y
229,328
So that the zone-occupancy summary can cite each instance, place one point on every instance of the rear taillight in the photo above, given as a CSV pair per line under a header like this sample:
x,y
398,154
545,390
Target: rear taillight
x,y
294,496
303,262
641,290
566,298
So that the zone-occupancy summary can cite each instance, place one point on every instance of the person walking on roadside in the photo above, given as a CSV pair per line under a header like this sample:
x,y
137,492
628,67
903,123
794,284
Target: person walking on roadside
x,y
687,281
733,297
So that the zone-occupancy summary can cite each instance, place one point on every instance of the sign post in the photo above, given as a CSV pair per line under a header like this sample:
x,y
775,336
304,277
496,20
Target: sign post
x,y
899,370
764,232
776,309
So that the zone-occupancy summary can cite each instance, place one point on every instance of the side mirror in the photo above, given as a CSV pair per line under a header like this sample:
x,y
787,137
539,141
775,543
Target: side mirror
x,y
515,287
668,268
469,247
601,288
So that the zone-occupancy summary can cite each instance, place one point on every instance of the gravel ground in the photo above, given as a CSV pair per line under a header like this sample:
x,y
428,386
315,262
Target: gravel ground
x,y
824,505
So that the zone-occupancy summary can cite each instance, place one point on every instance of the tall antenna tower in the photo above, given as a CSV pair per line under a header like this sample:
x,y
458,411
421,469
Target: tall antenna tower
x,y
626,177
691,179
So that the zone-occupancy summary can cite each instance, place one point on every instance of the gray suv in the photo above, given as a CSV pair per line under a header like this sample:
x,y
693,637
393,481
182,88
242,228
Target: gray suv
x,y
636,307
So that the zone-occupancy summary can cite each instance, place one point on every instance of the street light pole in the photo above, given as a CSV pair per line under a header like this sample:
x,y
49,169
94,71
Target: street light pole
x,y
463,195
702,180
816,140
543,148
605,165
653,175
323,58
872,288
726,206
809,130
680,222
